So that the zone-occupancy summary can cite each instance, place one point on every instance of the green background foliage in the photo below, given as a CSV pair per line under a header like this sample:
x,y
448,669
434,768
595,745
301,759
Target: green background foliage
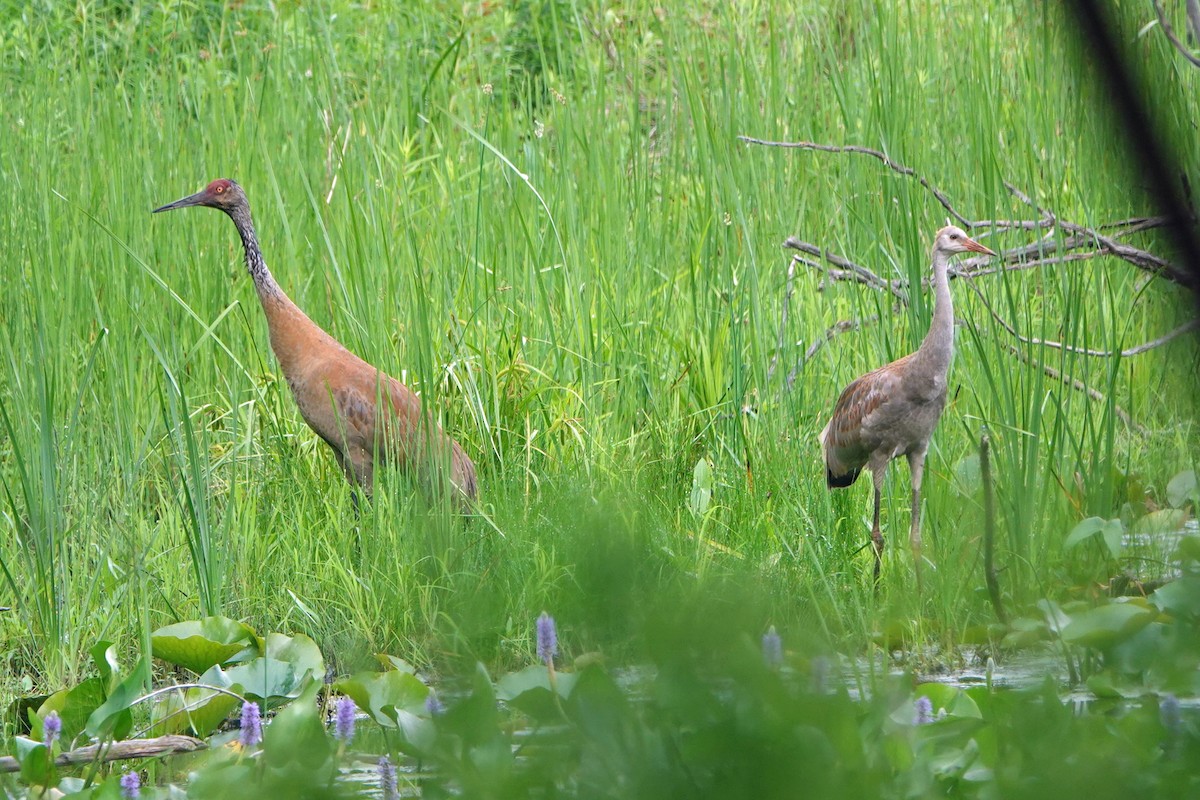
x,y
538,214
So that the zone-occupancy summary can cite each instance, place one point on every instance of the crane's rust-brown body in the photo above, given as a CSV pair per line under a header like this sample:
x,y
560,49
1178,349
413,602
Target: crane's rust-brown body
x,y
365,416
893,410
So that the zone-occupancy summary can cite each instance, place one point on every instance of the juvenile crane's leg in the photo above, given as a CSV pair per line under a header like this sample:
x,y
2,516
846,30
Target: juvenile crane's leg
x,y
878,471
916,466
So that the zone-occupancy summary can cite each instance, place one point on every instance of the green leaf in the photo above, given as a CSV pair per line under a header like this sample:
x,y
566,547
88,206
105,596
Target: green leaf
x,y
1188,549
1084,530
956,702
1114,537
1108,624
530,690
112,718
196,711
391,662
394,699
200,644
1180,597
1112,532
295,743
1025,632
263,679
37,762
104,655
1182,488
1165,520
74,706
300,651
384,694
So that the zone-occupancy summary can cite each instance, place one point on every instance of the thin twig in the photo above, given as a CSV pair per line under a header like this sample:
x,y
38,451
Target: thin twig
x,y
888,162
1079,386
1170,34
1190,325
834,330
857,272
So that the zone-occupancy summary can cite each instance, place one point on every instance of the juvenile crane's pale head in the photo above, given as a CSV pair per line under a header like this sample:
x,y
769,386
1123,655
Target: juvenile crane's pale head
x,y
221,193
952,239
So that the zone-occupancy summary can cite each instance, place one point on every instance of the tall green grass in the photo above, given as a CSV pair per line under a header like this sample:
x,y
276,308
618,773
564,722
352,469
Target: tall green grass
x,y
538,215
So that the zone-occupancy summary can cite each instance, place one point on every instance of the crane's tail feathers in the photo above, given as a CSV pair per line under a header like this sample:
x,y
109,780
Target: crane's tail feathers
x,y
843,480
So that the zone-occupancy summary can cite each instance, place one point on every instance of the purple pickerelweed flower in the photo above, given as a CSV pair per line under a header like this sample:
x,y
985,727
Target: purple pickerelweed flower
x,y
432,704
772,647
924,710
387,779
547,638
251,725
343,720
51,728
131,785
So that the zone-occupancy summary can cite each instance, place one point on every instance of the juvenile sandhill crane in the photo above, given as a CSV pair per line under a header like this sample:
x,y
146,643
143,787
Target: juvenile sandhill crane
x,y
893,410
360,412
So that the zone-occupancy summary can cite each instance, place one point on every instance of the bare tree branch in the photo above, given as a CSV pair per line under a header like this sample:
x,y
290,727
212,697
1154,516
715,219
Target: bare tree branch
x,y
118,751
1047,219
834,330
850,148
1190,325
852,271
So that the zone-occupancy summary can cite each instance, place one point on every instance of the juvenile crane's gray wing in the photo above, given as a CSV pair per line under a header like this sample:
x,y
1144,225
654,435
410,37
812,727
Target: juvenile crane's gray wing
x,y
857,428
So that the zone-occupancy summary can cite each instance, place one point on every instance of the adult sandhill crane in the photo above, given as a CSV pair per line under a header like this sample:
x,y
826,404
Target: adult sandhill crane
x,y
893,410
360,412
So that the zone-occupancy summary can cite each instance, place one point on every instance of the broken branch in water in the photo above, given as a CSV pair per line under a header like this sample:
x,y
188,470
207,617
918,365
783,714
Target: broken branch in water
x,y
118,751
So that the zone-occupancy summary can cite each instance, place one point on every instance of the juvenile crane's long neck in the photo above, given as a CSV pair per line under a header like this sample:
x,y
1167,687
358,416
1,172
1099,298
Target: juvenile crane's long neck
x,y
293,334
256,265
938,347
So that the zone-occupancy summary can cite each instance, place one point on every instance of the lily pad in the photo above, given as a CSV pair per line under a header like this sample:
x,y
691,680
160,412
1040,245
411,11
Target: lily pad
x,y
1180,597
1111,531
391,662
1108,624
295,743
395,700
1182,488
73,705
1165,520
195,711
531,691
199,644
263,679
299,650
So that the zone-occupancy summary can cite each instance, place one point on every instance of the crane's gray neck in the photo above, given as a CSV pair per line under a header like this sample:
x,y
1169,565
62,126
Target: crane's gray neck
x,y
256,265
938,347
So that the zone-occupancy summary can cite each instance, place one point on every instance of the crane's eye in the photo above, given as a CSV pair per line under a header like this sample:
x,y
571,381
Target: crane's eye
x,y
221,189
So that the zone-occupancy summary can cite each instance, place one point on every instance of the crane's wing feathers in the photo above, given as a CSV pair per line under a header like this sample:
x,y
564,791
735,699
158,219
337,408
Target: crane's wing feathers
x,y
400,435
852,433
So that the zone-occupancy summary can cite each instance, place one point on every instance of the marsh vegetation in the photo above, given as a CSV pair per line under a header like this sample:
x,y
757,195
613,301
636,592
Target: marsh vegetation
x,y
539,216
